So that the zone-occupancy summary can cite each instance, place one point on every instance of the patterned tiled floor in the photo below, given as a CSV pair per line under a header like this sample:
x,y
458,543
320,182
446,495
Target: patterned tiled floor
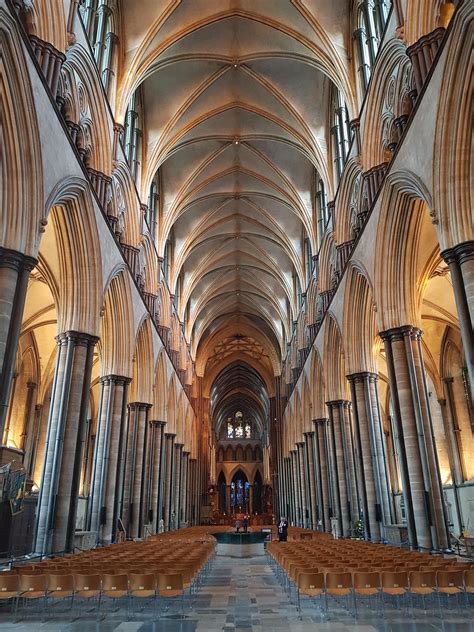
x,y
242,595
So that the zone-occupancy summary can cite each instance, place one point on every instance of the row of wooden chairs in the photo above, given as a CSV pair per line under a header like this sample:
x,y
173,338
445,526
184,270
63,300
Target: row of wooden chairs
x,y
53,587
162,566
314,572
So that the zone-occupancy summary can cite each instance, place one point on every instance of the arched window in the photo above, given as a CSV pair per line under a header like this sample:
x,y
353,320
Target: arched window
x,y
340,132
151,214
321,207
371,19
133,134
237,428
97,17
308,258
165,264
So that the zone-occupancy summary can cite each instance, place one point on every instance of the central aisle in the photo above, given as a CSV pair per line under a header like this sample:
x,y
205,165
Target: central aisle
x,y
242,594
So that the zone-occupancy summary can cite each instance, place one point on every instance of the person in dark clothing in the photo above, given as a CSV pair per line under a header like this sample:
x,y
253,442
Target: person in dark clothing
x,y
283,530
245,523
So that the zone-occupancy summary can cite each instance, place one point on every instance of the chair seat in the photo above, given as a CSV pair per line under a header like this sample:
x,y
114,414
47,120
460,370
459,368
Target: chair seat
x,y
87,594
60,594
115,594
142,593
394,591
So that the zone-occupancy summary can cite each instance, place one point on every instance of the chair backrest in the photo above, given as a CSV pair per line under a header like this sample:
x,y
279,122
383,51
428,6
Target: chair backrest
x,y
9,582
87,582
111,583
469,579
450,579
397,579
311,581
33,583
60,583
142,581
338,580
169,581
422,579
366,580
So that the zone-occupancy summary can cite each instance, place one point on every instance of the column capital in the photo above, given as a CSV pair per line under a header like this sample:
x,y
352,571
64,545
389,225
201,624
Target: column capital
x,y
321,421
362,376
309,433
300,444
448,380
16,260
170,435
399,333
115,378
139,405
459,253
157,422
336,403
78,337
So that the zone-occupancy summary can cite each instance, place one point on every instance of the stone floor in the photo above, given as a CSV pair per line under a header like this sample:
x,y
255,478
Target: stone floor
x,y
243,595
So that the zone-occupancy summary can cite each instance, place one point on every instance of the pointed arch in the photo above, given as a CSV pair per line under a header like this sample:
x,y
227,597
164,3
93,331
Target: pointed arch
x,y
334,362
141,388
405,210
116,334
452,164
21,212
360,325
71,214
317,386
82,64
160,387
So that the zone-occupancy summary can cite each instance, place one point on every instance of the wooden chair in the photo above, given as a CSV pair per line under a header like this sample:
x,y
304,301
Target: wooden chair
x,y
32,588
87,586
422,583
115,587
142,586
9,587
170,586
449,583
339,584
60,587
367,584
310,584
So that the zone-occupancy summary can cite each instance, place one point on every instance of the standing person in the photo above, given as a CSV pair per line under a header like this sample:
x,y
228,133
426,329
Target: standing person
x,y
245,523
237,525
283,530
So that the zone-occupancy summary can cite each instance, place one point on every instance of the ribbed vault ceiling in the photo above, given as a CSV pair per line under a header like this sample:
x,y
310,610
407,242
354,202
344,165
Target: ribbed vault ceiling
x,y
236,101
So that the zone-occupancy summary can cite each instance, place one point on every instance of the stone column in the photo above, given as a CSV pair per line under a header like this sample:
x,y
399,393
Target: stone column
x,y
169,452
111,399
115,462
367,462
302,484
422,491
295,490
15,268
176,484
156,473
139,472
339,468
460,260
321,469
312,478
129,465
57,503
184,489
29,431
